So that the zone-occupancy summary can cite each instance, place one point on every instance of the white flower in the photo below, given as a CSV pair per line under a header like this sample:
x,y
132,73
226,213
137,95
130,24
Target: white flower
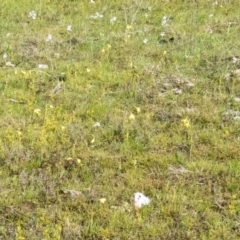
x,y
139,200
92,1
237,99
42,66
235,59
231,113
210,15
57,55
237,118
190,84
215,3
97,124
48,38
188,56
134,162
164,20
69,28
162,34
9,64
177,91
32,15
5,56
145,41
149,8
113,19
97,15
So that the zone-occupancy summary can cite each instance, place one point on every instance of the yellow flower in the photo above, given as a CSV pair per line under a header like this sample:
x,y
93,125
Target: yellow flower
x,y
102,200
234,196
128,27
19,133
186,122
37,111
232,208
131,117
79,161
226,132
26,74
138,109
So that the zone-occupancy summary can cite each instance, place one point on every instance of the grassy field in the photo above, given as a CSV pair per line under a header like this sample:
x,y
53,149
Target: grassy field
x,y
103,99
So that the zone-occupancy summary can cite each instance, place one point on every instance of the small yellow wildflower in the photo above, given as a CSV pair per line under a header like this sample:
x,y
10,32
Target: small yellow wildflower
x,y
186,122
226,132
232,208
102,200
138,109
79,161
19,133
128,27
131,117
26,74
37,111
19,231
234,196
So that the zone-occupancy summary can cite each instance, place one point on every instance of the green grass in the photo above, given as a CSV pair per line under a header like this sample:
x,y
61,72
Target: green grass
x,y
162,107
